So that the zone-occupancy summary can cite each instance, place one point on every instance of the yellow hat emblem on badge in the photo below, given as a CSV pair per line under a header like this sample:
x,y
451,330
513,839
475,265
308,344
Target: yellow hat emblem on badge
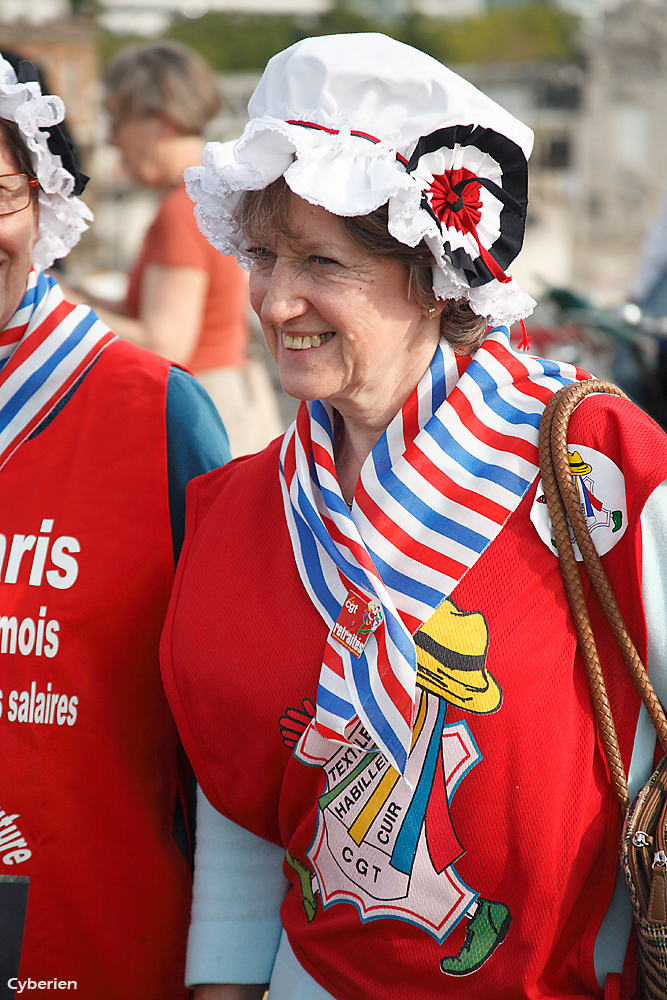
x,y
577,465
451,659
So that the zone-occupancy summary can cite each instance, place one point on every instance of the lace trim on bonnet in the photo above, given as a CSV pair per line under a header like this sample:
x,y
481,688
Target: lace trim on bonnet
x,y
62,217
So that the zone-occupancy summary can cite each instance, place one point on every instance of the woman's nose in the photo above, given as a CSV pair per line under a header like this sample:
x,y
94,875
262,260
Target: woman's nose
x,y
281,297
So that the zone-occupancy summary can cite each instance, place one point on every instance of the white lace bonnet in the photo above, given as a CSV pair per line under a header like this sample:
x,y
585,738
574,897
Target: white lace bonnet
x,y
62,217
356,121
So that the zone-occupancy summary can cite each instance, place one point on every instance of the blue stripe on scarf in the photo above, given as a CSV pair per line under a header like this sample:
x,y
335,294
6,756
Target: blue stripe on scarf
x,y
330,702
438,383
334,501
320,416
41,374
395,580
443,525
495,402
477,466
37,291
552,369
402,639
375,716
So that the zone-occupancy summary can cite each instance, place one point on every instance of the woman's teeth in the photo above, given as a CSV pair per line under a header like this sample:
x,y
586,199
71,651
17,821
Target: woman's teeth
x,y
302,343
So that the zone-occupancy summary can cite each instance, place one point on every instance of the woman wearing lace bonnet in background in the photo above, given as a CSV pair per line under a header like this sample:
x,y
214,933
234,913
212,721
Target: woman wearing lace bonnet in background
x,y
369,651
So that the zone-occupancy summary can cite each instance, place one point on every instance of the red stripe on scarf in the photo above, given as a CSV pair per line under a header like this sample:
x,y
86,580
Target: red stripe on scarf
x,y
523,381
393,687
303,427
13,335
462,362
489,436
329,734
458,494
290,462
333,660
421,553
410,418
357,550
35,339
324,460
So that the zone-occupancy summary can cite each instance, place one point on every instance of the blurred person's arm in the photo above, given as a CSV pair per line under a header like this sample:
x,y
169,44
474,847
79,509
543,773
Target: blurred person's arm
x,y
171,308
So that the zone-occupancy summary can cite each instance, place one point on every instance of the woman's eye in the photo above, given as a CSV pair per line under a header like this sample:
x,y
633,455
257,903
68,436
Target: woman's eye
x,y
325,261
259,253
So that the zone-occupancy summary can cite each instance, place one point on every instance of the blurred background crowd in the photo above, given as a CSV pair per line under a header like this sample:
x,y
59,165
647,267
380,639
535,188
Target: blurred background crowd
x,y
588,76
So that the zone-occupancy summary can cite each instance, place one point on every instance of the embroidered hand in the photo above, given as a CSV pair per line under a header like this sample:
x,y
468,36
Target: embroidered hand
x,y
295,721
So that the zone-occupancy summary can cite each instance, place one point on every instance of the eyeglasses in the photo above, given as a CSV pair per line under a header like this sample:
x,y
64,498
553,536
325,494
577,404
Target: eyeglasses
x,y
15,192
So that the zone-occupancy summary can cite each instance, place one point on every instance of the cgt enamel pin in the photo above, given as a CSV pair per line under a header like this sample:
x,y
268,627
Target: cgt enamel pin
x,y
358,618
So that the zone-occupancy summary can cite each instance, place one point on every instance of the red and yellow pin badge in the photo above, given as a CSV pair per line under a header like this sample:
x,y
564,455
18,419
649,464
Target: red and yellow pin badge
x,y
357,620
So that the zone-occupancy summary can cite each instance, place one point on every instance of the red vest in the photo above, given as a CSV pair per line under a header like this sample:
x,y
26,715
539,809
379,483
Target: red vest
x,y
88,746
491,875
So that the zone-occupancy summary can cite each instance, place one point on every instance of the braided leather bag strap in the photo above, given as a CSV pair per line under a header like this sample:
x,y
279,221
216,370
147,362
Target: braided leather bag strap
x,y
563,502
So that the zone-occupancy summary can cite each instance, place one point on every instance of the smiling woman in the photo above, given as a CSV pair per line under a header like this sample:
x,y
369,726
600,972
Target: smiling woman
x,y
19,221
369,617
267,211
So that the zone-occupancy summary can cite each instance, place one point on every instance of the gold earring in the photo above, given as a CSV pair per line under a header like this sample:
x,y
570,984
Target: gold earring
x,y
431,312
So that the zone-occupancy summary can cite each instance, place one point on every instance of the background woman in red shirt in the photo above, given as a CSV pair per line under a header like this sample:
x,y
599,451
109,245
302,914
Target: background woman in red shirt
x,y
185,301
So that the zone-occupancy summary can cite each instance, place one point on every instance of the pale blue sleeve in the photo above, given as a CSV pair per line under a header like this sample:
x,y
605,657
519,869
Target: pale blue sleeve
x,y
613,935
654,599
290,981
238,888
654,586
235,934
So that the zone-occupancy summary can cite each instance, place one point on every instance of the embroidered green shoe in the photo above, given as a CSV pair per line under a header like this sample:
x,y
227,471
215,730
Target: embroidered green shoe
x,y
308,897
484,933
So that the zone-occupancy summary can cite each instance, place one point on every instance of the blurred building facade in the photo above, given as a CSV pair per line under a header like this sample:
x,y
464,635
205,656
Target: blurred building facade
x,y
65,50
621,141
599,167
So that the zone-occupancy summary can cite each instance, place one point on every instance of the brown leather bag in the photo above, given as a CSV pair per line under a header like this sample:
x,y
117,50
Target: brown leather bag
x,y
644,836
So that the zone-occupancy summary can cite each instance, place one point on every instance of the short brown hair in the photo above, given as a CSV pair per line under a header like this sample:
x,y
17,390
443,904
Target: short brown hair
x,y
162,78
16,147
268,210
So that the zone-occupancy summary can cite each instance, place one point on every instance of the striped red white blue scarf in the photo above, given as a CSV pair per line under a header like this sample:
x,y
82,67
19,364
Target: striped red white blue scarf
x,y
46,346
433,494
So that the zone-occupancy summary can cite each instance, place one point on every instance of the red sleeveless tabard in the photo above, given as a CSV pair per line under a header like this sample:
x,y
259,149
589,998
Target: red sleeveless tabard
x,y
490,876
88,747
